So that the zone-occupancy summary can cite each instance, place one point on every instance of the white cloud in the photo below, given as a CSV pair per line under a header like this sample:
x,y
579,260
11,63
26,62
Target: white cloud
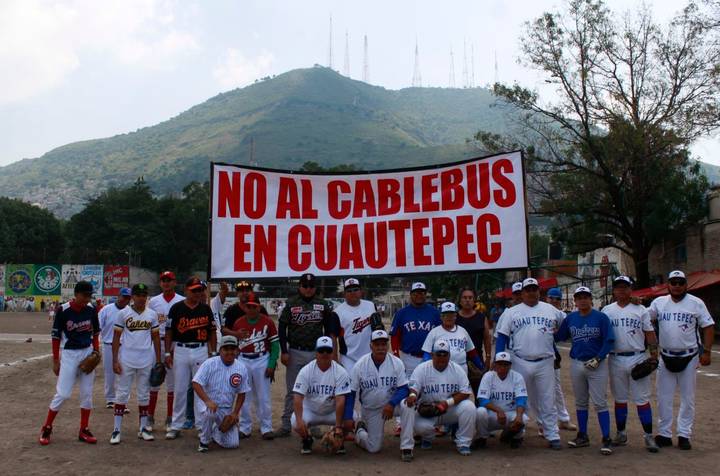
x,y
43,41
237,70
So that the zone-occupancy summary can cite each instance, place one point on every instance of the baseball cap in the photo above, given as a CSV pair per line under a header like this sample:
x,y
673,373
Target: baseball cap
x,y
228,340
323,342
527,282
125,292
252,300
167,275
517,287
503,357
351,283
677,274
83,287
240,285
554,293
139,289
582,290
418,286
194,283
307,280
623,279
447,307
441,345
379,334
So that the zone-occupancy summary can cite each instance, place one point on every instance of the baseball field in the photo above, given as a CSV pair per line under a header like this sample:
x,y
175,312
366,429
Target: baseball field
x,y
28,384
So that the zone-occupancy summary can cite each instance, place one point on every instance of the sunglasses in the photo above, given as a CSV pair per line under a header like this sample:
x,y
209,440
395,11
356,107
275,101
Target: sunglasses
x,y
676,282
307,286
324,350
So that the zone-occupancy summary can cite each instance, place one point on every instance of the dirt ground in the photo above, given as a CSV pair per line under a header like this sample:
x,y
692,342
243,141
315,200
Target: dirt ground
x,y
28,386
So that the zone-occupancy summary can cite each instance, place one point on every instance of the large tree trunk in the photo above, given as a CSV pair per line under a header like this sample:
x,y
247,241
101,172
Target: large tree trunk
x,y
642,267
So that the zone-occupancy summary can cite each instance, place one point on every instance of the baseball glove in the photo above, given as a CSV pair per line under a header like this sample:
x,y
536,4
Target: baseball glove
x,y
89,363
376,322
643,369
227,423
432,410
332,441
157,375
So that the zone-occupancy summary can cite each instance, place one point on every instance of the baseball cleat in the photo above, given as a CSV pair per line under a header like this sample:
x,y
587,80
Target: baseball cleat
x,y
464,450
45,433
606,448
109,405
145,434
650,444
555,445
620,439
580,441
86,436
567,425
684,443
425,444
203,448
243,435
360,425
341,451
188,425
115,438
150,423
515,443
306,446
663,441
268,435
172,434
406,455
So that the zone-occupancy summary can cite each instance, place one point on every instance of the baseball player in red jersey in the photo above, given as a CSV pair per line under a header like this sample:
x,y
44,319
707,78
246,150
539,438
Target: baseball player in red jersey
x,y
75,329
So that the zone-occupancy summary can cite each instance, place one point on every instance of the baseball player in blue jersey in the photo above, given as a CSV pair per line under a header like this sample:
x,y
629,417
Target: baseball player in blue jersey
x,y
592,339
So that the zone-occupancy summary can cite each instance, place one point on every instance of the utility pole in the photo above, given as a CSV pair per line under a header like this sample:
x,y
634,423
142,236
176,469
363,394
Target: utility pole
x,y
366,62
346,66
417,78
330,51
452,69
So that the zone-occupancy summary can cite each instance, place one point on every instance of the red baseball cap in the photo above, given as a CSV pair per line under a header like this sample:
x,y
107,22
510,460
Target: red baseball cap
x,y
252,300
167,275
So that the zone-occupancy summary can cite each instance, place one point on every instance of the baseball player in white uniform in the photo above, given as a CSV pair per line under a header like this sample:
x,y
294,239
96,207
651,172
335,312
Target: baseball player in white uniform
x,y
632,328
444,384
554,297
679,317
379,382
461,345
139,330
161,304
530,326
107,317
356,319
319,394
220,384
515,300
502,400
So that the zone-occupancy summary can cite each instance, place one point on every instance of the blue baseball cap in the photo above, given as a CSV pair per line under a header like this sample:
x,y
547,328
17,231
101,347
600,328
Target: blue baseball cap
x,y
554,293
125,292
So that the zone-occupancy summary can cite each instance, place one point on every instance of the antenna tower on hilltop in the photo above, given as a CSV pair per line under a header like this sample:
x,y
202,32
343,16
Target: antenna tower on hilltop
x,y
366,62
466,76
497,75
452,69
330,52
472,65
346,66
417,79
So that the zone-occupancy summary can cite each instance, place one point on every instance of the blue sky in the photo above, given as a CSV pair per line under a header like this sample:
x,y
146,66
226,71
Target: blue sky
x,y
83,69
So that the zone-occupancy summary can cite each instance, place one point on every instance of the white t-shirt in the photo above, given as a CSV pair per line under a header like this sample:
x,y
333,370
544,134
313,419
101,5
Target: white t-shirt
x,y
375,386
137,347
678,322
162,308
629,326
502,393
458,338
222,382
355,327
320,388
531,329
432,385
107,316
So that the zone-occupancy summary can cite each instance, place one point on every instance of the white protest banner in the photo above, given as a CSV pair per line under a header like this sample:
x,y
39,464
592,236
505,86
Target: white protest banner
x,y
465,216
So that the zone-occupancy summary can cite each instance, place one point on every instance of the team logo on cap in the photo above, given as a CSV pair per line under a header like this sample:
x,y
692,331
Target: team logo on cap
x,y
517,287
448,307
441,346
235,380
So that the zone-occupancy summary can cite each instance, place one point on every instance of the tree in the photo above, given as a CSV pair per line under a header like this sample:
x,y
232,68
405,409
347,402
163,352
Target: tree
x,y
28,234
609,155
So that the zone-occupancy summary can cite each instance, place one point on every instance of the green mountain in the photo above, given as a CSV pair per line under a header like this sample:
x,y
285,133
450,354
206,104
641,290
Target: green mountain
x,y
303,115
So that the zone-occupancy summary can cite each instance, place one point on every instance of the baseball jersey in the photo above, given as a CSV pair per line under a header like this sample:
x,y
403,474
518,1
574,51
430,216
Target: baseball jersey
x,y
235,312
75,326
303,321
413,324
107,317
458,339
531,329
629,326
678,322
137,350
190,324
375,385
355,330
591,335
222,382
162,306
432,385
320,388
261,335
502,393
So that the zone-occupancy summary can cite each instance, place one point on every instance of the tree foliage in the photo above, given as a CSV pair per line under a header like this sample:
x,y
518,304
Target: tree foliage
x,y
28,234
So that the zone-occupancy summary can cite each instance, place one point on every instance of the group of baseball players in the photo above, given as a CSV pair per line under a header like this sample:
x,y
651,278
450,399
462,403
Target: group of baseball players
x,y
345,371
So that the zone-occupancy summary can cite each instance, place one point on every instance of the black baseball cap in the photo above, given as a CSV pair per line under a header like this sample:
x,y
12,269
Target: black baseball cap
x,y
83,287
195,283
242,285
140,289
307,280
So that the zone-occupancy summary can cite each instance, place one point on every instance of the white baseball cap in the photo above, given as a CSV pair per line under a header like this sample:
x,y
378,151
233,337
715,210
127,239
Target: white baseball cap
x,y
441,345
582,290
677,274
228,340
503,357
379,334
351,283
323,342
623,279
418,286
529,282
448,307
517,287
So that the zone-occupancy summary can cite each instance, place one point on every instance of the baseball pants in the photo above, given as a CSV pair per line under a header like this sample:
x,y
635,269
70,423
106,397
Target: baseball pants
x,y
372,439
622,385
69,374
258,396
110,381
560,406
313,418
209,427
410,362
540,383
486,422
463,414
589,385
169,376
186,362
298,359
142,384
667,382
